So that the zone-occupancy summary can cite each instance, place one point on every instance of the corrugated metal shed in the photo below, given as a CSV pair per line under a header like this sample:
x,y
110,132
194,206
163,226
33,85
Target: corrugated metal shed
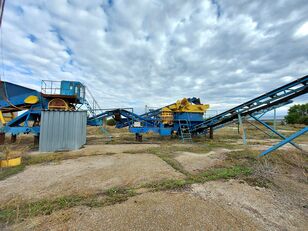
x,y
62,130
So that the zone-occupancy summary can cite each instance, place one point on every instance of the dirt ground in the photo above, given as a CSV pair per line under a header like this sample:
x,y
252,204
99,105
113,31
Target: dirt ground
x,y
85,175
219,204
150,211
196,162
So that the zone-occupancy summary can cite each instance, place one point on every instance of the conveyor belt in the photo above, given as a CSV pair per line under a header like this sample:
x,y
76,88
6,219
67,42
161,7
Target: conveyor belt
x,y
273,98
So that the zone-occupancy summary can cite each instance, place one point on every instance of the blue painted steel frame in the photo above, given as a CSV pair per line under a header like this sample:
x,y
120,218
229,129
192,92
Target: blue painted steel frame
x,y
273,98
285,141
13,99
274,131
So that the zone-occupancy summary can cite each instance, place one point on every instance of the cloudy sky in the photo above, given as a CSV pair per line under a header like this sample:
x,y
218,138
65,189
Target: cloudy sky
x,y
132,53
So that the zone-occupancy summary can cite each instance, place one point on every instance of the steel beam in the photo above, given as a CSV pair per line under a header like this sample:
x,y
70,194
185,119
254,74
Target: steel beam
x,y
285,141
211,133
258,128
275,119
274,131
243,129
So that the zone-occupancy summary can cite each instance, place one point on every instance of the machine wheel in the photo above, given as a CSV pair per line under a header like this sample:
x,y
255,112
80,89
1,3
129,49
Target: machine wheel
x,y
58,104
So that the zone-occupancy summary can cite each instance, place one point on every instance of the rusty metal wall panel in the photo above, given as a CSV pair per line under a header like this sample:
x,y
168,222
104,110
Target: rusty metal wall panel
x,y
62,130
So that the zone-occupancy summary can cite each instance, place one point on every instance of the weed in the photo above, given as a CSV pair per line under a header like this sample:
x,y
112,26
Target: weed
x,y
11,213
210,175
170,184
7,172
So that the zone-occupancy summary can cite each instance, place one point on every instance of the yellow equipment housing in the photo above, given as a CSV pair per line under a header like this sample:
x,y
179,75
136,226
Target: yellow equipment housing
x,y
58,104
185,106
167,116
181,106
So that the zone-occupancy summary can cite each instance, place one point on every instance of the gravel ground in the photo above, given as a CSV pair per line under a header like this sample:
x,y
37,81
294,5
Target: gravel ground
x,y
271,210
193,162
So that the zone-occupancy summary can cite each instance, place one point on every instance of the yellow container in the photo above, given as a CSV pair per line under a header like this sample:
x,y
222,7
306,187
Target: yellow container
x,y
10,162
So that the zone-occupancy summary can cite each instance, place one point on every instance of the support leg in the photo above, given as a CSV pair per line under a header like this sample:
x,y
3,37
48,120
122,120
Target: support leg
x,y
13,139
275,119
138,137
238,128
211,133
2,138
243,129
36,140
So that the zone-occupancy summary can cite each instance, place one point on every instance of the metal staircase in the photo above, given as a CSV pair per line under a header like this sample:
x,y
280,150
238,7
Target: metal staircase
x,y
185,133
105,132
92,105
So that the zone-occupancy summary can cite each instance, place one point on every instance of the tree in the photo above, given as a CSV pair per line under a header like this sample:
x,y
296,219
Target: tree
x,y
111,122
298,114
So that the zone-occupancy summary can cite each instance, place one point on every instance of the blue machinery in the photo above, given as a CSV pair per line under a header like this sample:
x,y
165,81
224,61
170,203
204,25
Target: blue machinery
x,y
64,95
183,118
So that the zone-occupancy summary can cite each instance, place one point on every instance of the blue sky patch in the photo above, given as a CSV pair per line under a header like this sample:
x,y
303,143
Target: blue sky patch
x,y
32,38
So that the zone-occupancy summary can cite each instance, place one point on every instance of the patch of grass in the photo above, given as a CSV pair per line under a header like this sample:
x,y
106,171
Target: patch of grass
x,y
110,153
171,184
224,173
57,157
210,175
136,151
7,172
173,163
19,212
245,157
118,195
46,158
259,181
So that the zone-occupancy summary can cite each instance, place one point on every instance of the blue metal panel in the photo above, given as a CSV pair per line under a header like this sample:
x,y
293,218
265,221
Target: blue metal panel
x,y
189,116
15,94
165,131
144,129
72,88
67,88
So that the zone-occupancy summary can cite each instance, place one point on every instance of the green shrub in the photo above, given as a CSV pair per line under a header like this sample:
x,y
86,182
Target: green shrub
x,y
111,122
298,114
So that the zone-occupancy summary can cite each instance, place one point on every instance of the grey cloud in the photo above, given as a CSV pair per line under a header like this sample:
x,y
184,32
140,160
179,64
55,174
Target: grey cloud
x,y
153,52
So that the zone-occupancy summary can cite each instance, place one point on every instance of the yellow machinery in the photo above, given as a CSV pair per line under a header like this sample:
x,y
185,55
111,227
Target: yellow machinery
x,y
58,104
6,117
188,107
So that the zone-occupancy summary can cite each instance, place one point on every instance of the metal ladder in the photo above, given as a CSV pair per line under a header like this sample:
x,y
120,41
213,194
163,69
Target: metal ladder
x,y
185,133
92,105
89,108
105,132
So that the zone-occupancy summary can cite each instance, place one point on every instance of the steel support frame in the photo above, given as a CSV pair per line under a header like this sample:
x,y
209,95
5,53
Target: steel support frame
x,y
259,128
285,141
242,128
275,131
